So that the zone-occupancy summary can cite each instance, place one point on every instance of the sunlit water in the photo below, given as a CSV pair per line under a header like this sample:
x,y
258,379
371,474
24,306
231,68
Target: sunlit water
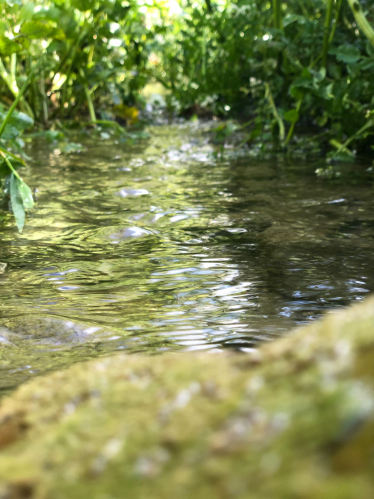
x,y
162,246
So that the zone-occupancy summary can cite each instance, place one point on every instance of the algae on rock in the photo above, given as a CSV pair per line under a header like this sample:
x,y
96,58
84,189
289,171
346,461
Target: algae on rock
x,y
292,420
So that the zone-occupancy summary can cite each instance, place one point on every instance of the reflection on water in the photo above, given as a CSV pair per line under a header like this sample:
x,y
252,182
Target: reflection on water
x,y
160,246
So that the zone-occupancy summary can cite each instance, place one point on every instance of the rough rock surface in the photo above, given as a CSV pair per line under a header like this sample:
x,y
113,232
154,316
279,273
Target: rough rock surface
x,y
292,420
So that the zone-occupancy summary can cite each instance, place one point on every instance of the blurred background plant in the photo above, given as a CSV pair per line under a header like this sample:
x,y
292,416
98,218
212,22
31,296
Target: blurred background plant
x,y
293,66
301,72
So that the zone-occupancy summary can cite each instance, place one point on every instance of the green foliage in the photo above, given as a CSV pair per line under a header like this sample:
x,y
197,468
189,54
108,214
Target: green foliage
x,y
83,5
292,115
346,53
8,47
25,194
36,30
95,56
316,60
286,66
17,202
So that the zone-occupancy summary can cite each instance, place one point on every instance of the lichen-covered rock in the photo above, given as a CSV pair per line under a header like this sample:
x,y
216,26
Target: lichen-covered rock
x,y
292,420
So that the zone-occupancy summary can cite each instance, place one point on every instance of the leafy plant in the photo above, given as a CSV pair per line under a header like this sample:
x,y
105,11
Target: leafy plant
x,y
12,124
293,65
284,67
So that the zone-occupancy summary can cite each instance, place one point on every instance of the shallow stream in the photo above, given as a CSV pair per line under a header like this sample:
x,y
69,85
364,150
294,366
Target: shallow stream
x,y
161,245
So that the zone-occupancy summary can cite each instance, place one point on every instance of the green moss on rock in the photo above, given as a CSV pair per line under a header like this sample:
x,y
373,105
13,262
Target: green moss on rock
x,y
292,420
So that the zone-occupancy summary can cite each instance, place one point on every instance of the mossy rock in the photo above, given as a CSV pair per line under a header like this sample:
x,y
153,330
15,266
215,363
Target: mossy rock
x,y
292,420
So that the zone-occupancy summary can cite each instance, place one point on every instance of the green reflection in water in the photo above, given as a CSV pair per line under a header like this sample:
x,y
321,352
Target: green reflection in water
x,y
160,246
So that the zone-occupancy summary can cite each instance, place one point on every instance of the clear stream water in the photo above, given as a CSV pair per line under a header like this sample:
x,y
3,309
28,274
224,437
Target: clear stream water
x,y
162,246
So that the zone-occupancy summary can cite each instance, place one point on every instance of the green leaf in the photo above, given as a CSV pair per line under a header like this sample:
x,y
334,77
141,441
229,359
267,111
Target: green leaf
x,y
306,73
36,30
17,204
58,34
303,82
8,47
366,64
10,132
325,92
53,135
21,120
26,195
27,11
48,14
297,92
320,75
292,18
13,156
3,27
346,53
322,120
292,115
83,5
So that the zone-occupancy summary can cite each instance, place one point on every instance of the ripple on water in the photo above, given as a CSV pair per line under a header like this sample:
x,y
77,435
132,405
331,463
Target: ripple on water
x,y
205,253
128,192
126,235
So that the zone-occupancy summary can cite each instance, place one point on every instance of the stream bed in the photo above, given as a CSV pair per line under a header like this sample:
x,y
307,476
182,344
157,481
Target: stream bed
x,y
163,245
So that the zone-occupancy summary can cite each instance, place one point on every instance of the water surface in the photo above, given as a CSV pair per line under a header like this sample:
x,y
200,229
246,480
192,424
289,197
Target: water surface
x,y
161,245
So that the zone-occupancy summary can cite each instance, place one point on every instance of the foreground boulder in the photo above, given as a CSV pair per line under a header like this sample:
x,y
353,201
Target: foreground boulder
x,y
292,420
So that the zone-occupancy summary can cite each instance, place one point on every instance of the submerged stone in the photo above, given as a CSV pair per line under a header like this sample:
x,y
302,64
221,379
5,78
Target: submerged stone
x,y
291,420
46,330
30,345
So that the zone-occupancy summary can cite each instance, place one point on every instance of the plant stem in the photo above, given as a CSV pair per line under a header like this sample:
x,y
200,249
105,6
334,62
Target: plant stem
x,y
277,14
277,116
13,66
337,14
18,98
326,39
277,21
72,52
203,55
91,108
292,127
44,100
91,54
246,124
10,80
361,20
109,123
11,83
17,158
10,166
344,146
